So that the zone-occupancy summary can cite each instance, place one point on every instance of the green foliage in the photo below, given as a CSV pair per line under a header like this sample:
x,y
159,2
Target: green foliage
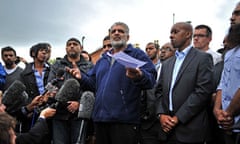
x,y
52,61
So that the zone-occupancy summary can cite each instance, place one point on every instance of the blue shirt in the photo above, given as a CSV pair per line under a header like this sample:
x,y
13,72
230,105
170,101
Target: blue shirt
x,y
40,78
230,80
180,56
158,66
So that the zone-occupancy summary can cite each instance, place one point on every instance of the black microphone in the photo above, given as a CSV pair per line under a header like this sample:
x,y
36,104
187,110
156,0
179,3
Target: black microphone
x,y
86,105
53,84
85,111
60,72
69,91
15,96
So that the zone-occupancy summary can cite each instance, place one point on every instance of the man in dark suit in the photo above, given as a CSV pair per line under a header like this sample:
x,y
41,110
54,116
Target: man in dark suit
x,y
184,90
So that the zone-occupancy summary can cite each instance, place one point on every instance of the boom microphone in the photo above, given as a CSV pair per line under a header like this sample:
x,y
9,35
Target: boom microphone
x,y
85,111
86,105
15,96
69,91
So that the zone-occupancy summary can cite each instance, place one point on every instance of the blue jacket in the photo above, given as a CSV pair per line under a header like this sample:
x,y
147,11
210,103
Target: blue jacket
x,y
117,96
2,76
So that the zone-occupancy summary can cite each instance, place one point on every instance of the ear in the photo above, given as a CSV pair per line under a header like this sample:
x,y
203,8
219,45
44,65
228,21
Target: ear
x,y
128,37
189,35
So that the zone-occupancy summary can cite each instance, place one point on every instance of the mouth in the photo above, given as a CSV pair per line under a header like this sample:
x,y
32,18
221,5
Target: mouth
x,y
117,38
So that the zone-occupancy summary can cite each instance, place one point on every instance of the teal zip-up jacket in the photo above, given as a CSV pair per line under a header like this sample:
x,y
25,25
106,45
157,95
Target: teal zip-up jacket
x,y
117,96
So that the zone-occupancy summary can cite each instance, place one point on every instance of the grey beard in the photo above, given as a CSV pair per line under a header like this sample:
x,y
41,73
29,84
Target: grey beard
x,y
118,44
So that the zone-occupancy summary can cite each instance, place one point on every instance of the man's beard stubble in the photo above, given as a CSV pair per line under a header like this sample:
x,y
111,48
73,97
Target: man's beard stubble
x,y
73,55
9,64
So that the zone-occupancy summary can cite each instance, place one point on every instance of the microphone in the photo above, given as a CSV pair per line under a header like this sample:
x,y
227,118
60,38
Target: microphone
x,y
85,111
60,72
53,84
69,91
15,96
86,105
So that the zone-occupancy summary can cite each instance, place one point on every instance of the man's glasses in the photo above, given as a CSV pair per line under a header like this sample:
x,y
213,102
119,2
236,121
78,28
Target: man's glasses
x,y
165,49
119,30
200,35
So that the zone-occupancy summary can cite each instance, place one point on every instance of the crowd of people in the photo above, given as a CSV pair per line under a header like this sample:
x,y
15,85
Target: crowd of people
x,y
185,93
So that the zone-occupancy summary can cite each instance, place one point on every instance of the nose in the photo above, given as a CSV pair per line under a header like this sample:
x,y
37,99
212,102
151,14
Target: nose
x,y
171,35
163,50
44,52
232,18
4,107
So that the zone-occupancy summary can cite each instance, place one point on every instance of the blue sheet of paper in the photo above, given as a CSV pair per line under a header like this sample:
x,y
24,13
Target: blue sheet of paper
x,y
127,60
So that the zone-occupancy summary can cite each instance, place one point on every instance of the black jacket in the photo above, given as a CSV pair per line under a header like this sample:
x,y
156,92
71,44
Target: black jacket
x,y
36,135
28,78
62,112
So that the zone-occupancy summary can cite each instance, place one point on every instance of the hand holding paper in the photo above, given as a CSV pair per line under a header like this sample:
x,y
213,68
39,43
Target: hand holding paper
x,y
134,73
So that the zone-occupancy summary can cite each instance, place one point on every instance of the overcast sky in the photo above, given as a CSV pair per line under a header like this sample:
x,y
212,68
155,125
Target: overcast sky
x,y
26,22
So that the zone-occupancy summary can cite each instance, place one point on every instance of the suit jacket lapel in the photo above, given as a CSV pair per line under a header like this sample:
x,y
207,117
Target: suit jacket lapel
x,y
170,71
185,63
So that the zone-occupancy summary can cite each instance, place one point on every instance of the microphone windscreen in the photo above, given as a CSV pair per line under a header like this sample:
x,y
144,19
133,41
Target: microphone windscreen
x,y
86,105
60,72
69,91
15,96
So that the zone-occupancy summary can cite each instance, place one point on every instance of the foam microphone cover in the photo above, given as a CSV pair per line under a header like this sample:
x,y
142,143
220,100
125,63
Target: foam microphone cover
x,y
86,105
60,72
15,96
69,91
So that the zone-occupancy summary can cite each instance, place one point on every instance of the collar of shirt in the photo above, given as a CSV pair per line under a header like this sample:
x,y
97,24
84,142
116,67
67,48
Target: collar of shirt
x,y
182,54
45,66
157,65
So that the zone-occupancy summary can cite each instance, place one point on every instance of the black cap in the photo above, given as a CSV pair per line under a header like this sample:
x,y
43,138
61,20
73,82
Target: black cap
x,y
74,39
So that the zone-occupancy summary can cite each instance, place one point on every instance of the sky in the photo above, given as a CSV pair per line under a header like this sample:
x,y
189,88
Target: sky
x,y
25,23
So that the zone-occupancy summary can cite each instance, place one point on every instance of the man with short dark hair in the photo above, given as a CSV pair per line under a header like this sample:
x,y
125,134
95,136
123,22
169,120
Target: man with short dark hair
x,y
184,90
106,44
13,71
167,50
202,37
66,123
